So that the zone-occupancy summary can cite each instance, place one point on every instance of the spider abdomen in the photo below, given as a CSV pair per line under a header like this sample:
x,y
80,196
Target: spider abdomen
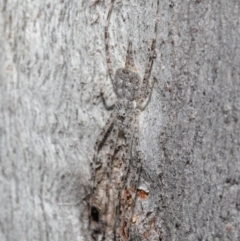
x,y
126,83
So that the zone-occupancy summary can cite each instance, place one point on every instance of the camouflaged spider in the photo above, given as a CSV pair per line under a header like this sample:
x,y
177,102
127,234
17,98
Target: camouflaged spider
x,y
117,159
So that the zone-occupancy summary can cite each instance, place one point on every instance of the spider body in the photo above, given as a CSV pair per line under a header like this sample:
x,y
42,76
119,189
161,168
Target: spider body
x,y
118,159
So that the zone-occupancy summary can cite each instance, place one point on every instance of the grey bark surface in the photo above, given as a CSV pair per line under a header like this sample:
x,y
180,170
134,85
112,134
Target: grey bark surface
x,y
53,67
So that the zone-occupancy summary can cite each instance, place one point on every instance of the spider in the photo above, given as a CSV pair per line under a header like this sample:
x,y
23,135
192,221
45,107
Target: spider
x,y
117,159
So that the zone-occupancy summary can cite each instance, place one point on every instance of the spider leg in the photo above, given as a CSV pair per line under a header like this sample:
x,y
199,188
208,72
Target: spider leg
x,y
110,205
102,199
103,135
144,101
106,35
127,193
122,154
106,105
98,145
134,177
146,87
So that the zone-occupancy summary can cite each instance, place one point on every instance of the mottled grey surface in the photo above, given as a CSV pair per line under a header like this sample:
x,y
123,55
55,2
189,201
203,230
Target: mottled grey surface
x,y
53,66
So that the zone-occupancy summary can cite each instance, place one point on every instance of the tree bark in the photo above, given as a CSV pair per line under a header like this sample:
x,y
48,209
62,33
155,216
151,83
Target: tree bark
x,y
53,66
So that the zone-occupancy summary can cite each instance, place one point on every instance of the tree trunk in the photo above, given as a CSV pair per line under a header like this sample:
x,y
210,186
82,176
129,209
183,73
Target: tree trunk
x,y
53,66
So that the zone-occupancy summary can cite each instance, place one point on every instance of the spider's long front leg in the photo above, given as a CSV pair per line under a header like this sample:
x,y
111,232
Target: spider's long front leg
x,y
146,87
106,35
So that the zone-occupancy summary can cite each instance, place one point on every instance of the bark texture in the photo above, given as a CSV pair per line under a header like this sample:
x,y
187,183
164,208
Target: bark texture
x,y
53,67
